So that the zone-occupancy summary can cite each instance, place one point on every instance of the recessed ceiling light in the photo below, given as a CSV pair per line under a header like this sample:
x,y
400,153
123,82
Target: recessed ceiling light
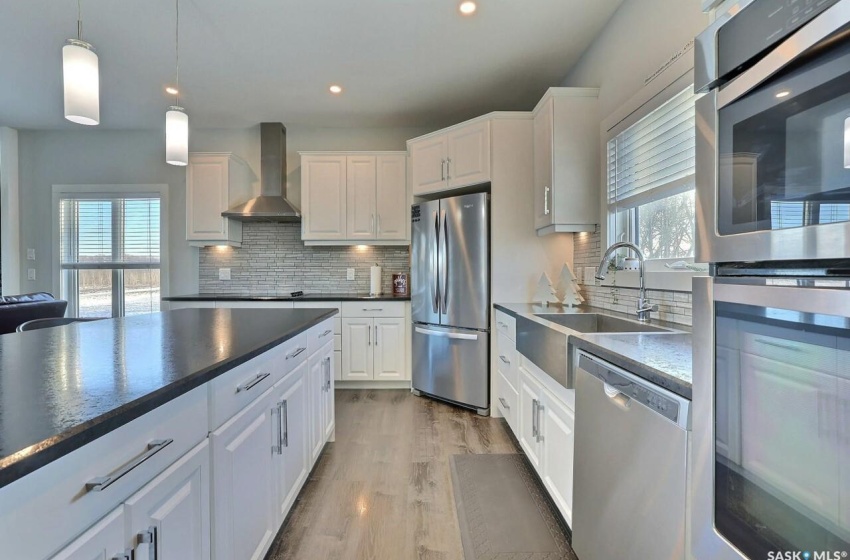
x,y
783,93
468,7
335,89
171,90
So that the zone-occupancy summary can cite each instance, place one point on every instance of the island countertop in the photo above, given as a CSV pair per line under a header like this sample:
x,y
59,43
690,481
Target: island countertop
x,y
63,387
336,296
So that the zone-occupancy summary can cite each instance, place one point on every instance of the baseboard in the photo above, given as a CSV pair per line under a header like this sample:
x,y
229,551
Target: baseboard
x,y
403,384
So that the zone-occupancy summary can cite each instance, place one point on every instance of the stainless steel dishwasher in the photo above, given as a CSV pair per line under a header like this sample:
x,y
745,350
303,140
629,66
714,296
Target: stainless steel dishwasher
x,y
631,440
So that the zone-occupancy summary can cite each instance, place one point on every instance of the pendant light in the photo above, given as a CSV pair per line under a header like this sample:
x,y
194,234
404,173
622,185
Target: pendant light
x,y
81,78
176,119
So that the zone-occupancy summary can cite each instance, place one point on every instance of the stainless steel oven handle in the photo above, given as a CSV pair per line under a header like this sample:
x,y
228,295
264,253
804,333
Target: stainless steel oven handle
x,y
805,38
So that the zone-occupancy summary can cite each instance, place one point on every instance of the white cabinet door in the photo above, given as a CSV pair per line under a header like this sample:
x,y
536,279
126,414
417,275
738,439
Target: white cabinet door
x,y
468,162
244,521
361,201
357,349
428,164
558,427
530,395
316,383
104,541
390,356
543,122
803,458
294,427
393,206
328,408
207,196
323,197
173,510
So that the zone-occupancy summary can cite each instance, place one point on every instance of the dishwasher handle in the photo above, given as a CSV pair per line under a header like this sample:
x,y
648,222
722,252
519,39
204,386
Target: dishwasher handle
x,y
616,396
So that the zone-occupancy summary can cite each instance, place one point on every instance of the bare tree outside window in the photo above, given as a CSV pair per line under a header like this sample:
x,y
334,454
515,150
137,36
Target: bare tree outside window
x,y
666,227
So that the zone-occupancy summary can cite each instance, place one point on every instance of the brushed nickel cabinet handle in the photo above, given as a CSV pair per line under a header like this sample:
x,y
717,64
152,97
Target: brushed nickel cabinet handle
x,y
505,404
505,360
103,482
326,333
246,386
285,415
149,538
296,353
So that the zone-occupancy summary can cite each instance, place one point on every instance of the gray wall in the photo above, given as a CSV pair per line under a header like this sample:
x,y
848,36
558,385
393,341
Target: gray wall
x,y
137,157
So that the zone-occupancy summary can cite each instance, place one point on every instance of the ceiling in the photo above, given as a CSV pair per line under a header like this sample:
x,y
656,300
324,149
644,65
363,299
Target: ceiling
x,y
401,62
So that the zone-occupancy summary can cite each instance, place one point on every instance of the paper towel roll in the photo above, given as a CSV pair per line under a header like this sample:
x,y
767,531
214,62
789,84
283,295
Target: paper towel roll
x,y
375,281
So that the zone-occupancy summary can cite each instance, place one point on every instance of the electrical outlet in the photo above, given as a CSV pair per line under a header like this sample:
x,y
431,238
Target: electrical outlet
x,y
30,254
589,275
30,274
349,274
224,274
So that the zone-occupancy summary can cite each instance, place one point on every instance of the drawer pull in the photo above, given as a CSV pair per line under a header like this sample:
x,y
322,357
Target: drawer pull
x,y
504,359
104,482
779,345
326,333
373,309
296,353
252,382
503,325
149,538
505,404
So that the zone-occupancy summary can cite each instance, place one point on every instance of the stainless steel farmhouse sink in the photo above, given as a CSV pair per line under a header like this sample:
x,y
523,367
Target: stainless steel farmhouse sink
x,y
548,347
597,323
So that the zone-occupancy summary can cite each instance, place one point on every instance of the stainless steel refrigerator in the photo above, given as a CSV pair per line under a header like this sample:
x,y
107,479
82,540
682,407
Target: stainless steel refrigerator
x,y
450,300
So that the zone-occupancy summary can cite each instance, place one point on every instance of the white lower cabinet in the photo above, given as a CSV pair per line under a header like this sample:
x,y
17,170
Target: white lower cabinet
x,y
320,387
244,520
545,428
357,356
291,461
170,516
374,349
389,361
104,541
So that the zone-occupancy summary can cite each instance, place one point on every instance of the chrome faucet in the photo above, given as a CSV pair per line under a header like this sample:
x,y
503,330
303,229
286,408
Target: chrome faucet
x,y
643,306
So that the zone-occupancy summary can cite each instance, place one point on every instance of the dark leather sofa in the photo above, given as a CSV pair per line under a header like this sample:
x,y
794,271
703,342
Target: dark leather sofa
x,y
15,310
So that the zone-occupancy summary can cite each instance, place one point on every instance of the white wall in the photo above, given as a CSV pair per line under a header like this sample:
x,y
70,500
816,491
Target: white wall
x,y
639,38
137,157
9,211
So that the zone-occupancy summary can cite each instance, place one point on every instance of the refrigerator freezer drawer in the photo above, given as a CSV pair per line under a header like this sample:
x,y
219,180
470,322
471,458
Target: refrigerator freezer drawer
x,y
452,364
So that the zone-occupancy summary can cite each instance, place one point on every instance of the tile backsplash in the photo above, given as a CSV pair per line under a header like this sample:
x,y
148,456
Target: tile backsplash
x,y
587,251
274,260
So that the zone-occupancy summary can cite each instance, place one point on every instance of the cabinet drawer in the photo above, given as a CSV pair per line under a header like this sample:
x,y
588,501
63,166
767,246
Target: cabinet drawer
x,y
373,308
506,324
319,335
507,399
236,389
51,506
506,356
292,353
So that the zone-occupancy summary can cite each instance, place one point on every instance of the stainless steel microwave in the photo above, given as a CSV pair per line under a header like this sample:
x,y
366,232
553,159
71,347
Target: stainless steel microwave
x,y
773,133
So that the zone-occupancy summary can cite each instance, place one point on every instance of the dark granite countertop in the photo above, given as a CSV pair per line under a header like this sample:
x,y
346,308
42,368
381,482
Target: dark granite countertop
x,y
661,358
63,387
342,296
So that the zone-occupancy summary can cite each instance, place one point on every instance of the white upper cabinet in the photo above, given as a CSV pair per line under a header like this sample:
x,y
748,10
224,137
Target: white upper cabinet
x,y
450,159
566,161
354,198
362,182
469,155
393,204
324,180
214,183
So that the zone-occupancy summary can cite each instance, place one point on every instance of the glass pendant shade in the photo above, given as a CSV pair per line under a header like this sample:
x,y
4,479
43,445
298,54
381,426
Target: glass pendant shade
x,y
176,136
81,79
847,143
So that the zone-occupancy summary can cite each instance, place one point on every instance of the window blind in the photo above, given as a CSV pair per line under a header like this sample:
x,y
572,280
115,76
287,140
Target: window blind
x,y
103,232
655,157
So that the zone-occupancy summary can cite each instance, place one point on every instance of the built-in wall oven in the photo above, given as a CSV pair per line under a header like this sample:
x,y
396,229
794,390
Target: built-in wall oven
x,y
770,465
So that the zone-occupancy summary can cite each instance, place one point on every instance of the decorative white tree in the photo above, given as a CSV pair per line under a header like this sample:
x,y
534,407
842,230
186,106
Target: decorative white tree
x,y
568,287
545,293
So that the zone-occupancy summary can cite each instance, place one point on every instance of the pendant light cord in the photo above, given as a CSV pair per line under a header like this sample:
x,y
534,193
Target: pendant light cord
x,y
177,48
79,21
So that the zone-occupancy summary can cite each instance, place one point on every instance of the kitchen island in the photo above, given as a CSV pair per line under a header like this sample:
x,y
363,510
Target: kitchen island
x,y
97,419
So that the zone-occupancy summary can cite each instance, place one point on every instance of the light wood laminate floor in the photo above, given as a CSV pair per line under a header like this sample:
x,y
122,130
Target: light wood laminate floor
x,y
383,490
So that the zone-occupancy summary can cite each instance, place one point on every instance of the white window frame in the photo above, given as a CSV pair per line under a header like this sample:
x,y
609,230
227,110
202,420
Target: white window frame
x,y
651,97
112,191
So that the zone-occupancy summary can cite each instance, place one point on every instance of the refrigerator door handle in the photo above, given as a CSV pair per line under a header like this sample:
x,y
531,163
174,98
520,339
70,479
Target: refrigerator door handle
x,y
456,336
435,260
445,262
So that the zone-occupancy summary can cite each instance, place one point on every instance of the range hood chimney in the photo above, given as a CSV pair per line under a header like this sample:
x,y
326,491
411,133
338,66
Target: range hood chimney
x,y
271,205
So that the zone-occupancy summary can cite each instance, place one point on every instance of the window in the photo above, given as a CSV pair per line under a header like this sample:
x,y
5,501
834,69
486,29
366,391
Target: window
x,y
109,253
651,181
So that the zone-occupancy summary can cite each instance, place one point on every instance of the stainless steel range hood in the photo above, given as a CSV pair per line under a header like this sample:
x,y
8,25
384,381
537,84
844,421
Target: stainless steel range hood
x,y
271,205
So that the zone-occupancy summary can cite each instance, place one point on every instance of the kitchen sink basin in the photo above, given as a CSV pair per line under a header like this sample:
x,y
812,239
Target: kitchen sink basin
x,y
596,323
